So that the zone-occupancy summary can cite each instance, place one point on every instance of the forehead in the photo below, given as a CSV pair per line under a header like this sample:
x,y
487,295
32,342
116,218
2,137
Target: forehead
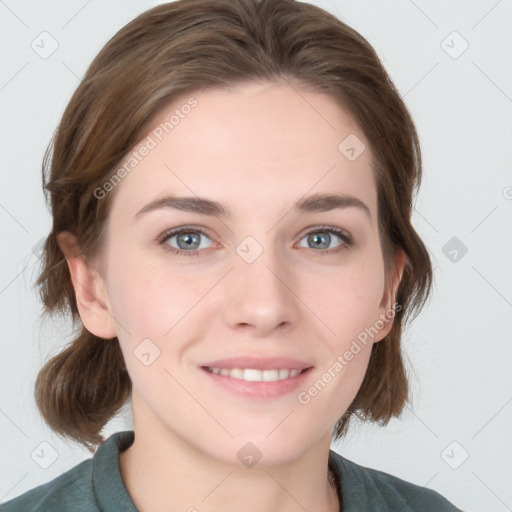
x,y
260,143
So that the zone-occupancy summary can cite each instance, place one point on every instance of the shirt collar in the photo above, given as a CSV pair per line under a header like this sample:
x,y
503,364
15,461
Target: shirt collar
x,y
108,484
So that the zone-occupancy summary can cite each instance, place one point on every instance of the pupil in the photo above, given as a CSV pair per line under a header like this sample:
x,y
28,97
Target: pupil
x,y
189,239
316,239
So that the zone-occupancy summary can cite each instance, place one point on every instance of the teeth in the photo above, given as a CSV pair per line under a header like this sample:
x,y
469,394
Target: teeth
x,y
252,375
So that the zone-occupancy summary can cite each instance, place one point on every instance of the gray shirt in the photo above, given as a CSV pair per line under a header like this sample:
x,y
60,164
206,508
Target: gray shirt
x,y
96,485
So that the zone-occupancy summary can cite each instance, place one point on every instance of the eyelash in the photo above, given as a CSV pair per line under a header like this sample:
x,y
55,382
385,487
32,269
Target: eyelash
x,y
343,235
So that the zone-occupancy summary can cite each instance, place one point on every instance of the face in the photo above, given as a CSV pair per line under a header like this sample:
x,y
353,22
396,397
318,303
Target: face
x,y
212,303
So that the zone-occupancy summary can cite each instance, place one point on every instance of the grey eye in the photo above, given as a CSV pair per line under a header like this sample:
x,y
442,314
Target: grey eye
x,y
322,239
187,240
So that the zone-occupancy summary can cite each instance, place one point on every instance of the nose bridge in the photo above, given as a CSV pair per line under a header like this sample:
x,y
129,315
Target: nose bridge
x,y
259,289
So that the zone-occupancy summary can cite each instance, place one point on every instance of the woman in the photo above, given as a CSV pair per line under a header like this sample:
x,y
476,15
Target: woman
x,y
231,189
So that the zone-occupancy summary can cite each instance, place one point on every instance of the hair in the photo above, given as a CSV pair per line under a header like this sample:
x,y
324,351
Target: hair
x,y
176,49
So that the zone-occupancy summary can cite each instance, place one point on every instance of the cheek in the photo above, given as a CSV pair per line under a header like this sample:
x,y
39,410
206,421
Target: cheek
x,y
348,300
149,298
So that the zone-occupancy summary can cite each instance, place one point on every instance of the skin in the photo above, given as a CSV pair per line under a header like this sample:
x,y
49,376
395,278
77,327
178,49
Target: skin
x,y
256,148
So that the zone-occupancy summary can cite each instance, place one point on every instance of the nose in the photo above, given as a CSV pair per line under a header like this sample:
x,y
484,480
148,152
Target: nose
x,y
259,296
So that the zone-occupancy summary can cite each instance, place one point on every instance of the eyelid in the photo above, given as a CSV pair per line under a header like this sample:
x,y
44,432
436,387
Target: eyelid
x,y
169,233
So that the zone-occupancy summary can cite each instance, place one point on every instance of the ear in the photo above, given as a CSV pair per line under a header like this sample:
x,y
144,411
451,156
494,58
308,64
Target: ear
x,y
386,318
90,290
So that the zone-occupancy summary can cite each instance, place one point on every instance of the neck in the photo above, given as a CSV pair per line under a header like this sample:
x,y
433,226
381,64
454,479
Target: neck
x,y
163,472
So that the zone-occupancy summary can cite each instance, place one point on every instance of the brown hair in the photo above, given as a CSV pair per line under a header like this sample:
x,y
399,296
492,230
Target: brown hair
x,y
178,48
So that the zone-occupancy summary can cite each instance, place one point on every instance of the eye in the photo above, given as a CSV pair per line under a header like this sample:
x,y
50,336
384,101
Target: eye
x,y
321,237
187,239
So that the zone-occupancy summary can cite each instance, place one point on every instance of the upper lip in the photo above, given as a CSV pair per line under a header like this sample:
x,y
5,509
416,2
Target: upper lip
x,y
258,363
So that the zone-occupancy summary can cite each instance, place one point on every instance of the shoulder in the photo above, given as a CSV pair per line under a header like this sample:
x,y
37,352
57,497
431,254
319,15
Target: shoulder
x,y
70,491
369,489
92,485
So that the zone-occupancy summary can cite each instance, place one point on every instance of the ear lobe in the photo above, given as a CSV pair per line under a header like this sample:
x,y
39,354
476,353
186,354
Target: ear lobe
x,y
90,294
388,299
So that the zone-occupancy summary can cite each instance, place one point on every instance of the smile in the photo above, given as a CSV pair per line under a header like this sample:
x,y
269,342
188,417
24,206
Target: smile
x,y
254,375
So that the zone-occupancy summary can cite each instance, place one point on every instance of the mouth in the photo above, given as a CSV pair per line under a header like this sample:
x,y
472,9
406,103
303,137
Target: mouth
x,y
255,378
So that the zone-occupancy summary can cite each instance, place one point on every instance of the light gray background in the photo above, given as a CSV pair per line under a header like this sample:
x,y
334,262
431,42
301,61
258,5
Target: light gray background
x,y
459,348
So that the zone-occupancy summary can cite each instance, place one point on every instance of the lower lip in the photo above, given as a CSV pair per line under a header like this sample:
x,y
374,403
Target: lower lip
x,y
259,390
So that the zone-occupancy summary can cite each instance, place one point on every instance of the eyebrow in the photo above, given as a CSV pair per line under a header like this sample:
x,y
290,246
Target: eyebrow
x,y
312,204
